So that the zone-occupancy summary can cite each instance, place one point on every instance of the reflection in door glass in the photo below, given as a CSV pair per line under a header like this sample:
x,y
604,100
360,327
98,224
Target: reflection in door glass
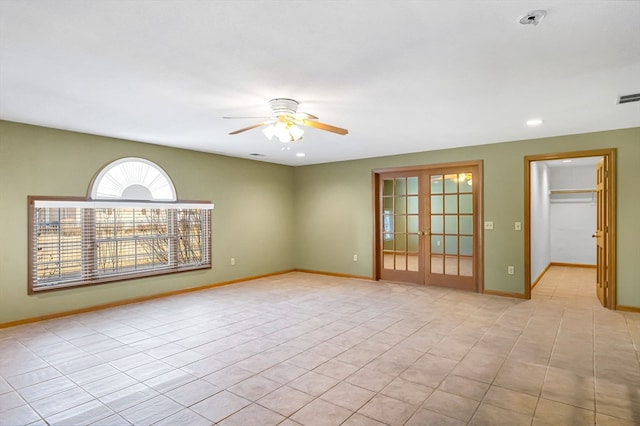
x,y
387,187
451,244
436,184
400,224
466,246
412,224
466,224
451,184
436,244
466,203
412,204
413,251
466,183
412,185
451,204
436,204
451,224
436,224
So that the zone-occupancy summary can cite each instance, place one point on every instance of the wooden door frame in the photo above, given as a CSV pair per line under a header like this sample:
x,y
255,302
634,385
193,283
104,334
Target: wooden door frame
x,y
478,184
610,159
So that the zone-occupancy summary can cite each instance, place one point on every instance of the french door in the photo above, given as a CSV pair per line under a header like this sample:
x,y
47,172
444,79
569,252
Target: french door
x,y
428,225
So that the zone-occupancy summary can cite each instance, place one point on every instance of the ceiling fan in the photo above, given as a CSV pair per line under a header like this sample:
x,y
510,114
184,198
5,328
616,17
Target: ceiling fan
x,y
284,120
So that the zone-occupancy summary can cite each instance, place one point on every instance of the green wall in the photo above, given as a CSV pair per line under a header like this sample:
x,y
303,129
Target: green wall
x,y
251,221
273,218
333,207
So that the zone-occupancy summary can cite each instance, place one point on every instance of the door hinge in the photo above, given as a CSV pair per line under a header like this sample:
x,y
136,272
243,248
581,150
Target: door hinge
x,y
606,284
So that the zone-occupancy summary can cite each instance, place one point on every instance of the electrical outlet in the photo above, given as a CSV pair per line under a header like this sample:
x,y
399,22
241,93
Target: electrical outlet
x,y
511,270
233,261
518,226
355,257
488,225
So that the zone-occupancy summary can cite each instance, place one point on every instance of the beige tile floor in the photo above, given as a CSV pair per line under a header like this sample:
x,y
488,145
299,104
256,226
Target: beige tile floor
x,y
316,350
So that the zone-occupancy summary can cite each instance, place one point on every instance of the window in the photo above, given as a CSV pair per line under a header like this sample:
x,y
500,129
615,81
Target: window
x,y
113,236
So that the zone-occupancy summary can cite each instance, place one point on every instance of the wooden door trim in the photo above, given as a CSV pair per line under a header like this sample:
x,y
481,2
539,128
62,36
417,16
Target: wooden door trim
x,y
610,159
427,167
479,248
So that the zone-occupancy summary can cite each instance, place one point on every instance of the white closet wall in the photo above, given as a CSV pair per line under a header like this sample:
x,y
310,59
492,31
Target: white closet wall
x,y
572,216
540,229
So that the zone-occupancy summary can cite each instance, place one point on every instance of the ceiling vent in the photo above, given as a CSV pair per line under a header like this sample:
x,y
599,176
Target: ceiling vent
x,y
629,98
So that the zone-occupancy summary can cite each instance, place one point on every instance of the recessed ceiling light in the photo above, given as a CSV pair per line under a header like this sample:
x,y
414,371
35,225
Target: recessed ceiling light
x,y
566,161
300,154
534,122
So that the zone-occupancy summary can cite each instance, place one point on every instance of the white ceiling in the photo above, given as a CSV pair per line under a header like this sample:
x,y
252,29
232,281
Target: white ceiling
x,y
403,76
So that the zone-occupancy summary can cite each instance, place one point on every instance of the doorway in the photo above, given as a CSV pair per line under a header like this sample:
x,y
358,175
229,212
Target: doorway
x,y
602,226
427,225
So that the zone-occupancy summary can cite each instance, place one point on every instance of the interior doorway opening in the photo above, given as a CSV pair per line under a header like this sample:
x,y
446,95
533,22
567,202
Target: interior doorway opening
x,y
570,217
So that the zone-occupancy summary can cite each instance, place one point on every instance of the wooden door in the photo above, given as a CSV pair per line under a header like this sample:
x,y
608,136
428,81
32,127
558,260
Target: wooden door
x,y
601,235
400,234
427,226
452,217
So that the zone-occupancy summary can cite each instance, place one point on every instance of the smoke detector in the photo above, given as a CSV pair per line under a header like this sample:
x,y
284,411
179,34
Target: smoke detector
x,y
533,18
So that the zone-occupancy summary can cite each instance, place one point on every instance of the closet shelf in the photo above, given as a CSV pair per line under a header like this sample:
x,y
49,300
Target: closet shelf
x,y
572,191
572,195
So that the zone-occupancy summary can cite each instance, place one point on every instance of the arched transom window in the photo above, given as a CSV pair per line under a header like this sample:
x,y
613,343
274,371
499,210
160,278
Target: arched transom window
x,y
133,179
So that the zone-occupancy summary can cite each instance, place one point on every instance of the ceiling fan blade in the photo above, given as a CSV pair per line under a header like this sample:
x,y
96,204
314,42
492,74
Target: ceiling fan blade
x,y
323,126
304,115
252,127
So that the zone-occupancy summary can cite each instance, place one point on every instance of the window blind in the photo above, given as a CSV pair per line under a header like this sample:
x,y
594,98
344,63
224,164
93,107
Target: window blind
x,y
78,242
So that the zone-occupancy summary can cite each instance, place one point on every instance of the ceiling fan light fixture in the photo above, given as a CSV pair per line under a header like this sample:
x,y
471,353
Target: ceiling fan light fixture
x,y
269,131
296,132
285,132
282,132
